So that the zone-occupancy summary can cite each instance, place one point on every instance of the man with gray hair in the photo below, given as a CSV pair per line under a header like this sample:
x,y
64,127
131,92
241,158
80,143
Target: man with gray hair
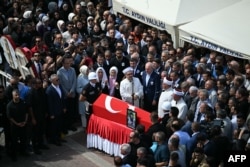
x,y
193,92
142,155
200,68
151,87
128,158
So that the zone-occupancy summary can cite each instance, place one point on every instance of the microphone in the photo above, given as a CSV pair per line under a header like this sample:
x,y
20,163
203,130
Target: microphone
x,y
132,82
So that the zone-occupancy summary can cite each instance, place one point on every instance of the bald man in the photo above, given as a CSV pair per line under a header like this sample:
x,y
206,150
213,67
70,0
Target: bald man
x,y
151,87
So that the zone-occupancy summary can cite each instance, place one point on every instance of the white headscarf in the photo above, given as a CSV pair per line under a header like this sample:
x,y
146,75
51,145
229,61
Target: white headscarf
x,y
83,70
59,23
114,68
27,14
104,76
112,81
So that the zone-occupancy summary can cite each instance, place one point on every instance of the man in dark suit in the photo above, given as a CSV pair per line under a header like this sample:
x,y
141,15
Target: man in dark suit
x,y
201,68
100,63
37,66
158,68
107,59
56,109
120,62
156,126
136,69
191,145
128,158
151,87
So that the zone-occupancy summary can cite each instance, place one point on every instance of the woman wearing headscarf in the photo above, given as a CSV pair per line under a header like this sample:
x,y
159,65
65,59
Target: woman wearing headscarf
x,y
82,81
102,79
61,26
65,11
113,84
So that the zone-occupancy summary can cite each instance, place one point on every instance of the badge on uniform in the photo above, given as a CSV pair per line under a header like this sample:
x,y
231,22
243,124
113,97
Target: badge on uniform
x,y
123,64
151,83
91,93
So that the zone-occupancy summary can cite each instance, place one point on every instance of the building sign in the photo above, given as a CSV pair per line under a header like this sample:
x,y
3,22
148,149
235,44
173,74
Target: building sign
x,y
212,46
143,18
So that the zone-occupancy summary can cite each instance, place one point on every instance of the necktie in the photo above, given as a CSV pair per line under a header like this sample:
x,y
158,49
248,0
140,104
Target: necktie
x,y
126,42
199,117
132,82
39,70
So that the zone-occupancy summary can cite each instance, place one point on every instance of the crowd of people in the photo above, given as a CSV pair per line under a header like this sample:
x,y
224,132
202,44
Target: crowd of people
x,y
198,98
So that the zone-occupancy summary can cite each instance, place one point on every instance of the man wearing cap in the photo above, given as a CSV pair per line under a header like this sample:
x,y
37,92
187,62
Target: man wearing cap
x,y
179,103
166,106
166,95
131,89
91,92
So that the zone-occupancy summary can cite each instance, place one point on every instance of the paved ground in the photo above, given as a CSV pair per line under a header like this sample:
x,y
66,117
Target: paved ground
x,y
70,154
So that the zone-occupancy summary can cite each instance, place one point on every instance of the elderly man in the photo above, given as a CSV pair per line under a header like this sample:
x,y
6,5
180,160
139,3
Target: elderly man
x,y
151,87
179,103
131,89
56,108
128,158
166,95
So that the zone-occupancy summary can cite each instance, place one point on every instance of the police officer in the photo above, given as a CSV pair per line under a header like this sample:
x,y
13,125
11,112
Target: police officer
x,y
90,93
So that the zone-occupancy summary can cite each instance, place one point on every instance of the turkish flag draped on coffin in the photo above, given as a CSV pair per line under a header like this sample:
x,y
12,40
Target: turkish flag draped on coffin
x,y
115,110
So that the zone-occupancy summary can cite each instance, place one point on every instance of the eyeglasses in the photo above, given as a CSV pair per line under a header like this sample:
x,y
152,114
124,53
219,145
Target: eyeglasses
x,y
90,20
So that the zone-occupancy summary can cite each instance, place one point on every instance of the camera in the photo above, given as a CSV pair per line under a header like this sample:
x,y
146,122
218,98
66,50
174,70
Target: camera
x,y
208,126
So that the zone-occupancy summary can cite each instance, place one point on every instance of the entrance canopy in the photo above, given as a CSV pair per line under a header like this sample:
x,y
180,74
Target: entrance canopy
x,y
168,14
226,31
